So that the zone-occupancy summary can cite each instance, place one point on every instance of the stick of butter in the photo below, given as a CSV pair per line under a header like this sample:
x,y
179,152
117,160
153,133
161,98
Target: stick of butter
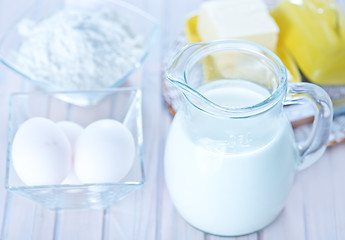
x,y
238,19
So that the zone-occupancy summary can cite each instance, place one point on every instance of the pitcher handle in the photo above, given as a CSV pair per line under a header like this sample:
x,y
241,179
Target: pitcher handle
x,y
315,145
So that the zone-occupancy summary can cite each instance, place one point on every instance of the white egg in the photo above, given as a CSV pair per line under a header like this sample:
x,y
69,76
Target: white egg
x,y
104,152
72,130
41,153
71,178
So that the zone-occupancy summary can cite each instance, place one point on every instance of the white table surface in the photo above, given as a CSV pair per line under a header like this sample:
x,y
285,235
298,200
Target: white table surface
x,y
315,209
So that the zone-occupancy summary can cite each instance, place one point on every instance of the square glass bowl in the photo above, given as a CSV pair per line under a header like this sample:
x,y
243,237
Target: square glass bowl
x,y
121,104
136,21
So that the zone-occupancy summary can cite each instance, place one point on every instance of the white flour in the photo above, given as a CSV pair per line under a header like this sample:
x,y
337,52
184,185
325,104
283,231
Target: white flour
x,y
78,49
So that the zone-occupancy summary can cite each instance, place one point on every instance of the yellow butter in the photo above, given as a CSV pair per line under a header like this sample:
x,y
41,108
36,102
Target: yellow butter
x,y
237,19
209,73
190,29
313,31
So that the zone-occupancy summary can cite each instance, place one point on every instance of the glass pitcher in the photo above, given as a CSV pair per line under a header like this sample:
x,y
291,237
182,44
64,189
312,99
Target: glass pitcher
x,y
231,155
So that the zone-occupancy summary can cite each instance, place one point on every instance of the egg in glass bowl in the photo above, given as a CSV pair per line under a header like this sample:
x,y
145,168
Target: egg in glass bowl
x,y
66,156
78,45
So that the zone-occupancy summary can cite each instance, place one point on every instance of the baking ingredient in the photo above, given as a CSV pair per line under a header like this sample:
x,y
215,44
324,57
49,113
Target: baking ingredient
x,y
213,68
71,178
313,31
190,29
237,19
104,152
232,176
78,49
193,36
72,131
41,153
45,153
293,72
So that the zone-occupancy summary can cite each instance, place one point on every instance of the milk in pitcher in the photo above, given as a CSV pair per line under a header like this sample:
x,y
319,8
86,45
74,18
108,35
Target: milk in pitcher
x,y
229,176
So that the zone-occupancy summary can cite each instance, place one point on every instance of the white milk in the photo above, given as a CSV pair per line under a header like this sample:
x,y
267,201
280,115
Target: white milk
x,y
230,176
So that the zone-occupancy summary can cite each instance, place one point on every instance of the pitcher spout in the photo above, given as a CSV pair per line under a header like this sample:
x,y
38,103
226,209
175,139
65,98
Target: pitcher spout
x,y
176,70
200,66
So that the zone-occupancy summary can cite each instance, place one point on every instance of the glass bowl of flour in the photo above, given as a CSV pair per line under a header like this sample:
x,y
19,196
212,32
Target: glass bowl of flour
x,y
79,45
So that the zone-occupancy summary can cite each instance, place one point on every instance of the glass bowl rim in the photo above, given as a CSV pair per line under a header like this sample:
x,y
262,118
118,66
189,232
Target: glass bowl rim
x,y
148,45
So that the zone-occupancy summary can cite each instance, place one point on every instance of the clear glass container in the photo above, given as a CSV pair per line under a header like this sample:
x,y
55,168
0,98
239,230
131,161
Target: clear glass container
x,y
230,141
122,104
139,23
